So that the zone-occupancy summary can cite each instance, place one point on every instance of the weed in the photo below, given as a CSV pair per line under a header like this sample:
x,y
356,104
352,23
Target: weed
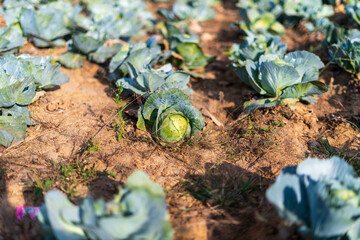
x,y
71,175
91,147
119,123
329,150
250,139
41,185
344,152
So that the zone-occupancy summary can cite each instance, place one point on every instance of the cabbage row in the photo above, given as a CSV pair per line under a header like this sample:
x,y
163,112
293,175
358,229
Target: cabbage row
x,y
271,16
320,197
98,29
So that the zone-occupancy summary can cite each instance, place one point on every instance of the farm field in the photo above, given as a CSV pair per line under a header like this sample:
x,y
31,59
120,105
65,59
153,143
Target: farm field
x,y
85,138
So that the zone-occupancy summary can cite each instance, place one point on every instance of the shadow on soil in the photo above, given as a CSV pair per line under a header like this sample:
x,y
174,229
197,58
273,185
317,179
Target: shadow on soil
x,y
234,197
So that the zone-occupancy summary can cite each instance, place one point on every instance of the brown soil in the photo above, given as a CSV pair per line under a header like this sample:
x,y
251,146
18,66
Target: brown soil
x,y
215,183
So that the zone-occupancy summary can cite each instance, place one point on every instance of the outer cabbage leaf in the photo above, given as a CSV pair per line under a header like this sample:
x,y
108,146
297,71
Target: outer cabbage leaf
x,y
86,44
10,39
138,55
105,52
194,57
12,129
46,26
13,124
15,90
72,60
148,80
45,73
18,111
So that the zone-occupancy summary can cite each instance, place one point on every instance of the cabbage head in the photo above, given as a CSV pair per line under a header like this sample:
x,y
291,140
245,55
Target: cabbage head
x,y
321,197
170,116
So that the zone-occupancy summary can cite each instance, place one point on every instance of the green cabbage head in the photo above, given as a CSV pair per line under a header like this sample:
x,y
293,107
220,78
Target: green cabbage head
x,y
170,115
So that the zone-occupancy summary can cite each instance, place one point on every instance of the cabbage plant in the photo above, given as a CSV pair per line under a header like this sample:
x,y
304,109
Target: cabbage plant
x,y
354,12
20,77
190,9
43,72
170,116
321,197
11,38
46,27
347,53
138,55
285,79
110,20
307,10
252,49
261,16
183,48
137,212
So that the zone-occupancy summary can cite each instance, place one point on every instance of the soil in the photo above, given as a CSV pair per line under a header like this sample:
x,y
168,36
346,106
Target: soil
x,y
216,182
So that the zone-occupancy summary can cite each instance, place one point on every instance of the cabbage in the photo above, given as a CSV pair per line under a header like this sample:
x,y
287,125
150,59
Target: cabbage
x,y
252,49
170,116
137,212
285,80
321,197
346,53
20,77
